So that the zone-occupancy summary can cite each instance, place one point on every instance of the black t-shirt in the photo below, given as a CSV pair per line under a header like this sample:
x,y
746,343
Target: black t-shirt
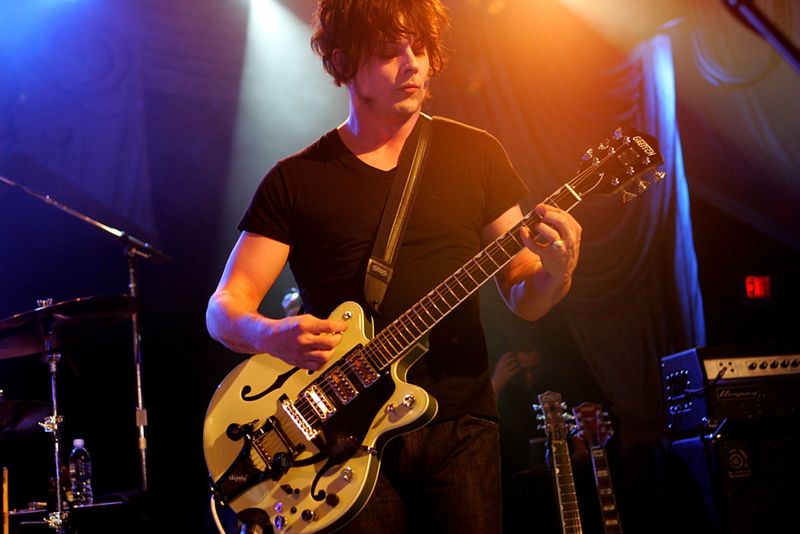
x,y
326,204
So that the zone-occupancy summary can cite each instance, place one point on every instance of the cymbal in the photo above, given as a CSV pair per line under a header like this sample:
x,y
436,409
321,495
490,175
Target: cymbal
x,y
20,419
70,321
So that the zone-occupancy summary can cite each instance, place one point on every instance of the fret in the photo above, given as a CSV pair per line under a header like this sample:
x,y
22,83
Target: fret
x,y
419,304
458,297
434,307
465,271
475,261
487,255
513,235
454,277
377,348
380,343
410,321
503,250
398,333
442,294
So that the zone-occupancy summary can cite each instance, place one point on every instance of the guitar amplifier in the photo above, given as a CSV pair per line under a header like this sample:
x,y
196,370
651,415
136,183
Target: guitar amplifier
x,y
733,383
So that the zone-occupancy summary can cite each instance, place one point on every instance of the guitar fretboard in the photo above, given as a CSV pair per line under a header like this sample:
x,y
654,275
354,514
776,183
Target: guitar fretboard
x,y
565,489
395,339
605,490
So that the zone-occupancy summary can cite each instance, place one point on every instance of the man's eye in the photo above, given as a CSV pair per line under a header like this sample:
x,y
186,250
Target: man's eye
x,y
387,52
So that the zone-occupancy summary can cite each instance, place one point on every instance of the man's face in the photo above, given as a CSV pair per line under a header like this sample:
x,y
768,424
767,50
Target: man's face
x,y
393,80
530,369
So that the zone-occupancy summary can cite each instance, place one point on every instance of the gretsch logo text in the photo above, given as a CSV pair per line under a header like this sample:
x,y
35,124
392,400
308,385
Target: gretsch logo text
x,y
237,478
644,146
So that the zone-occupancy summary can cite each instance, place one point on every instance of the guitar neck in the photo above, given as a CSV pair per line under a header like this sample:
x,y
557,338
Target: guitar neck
x,y
605,491
395,339
565,488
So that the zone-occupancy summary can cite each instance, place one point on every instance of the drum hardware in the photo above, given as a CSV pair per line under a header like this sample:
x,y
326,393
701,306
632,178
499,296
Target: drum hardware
x,y
134,249
45,330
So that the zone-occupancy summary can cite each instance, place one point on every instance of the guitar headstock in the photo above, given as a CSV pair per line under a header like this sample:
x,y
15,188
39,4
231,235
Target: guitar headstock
x,y
617,162
592,426
553,416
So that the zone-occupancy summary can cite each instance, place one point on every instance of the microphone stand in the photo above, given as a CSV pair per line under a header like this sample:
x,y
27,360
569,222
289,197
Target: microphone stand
x,y
134,249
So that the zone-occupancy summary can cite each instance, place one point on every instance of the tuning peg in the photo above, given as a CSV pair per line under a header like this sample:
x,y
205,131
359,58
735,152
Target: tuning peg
x,y
627,196
587,155
540,417
658,176
618,133
536,407
643,185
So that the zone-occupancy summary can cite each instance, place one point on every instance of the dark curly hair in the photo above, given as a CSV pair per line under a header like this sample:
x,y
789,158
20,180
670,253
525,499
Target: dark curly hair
x,y
359,27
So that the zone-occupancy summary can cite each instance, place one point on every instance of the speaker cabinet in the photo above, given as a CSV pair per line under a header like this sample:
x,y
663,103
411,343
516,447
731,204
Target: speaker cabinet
x,y
740,480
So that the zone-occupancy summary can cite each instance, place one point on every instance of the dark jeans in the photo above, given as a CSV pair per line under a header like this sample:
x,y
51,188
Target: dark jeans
x,y
443,478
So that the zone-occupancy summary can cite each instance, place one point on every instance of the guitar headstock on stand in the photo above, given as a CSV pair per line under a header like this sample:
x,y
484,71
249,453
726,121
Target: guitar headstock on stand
x,y
557,429
591,424
557,422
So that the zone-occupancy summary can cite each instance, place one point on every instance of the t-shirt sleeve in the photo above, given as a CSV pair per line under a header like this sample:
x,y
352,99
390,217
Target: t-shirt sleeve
x,y
503,186
268,213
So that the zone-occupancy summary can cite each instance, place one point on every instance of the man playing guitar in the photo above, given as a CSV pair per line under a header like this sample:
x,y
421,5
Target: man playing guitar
x,y
320,210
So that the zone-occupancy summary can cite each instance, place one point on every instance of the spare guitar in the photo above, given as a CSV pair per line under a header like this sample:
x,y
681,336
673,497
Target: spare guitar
x,y
561,465
301,449
595,431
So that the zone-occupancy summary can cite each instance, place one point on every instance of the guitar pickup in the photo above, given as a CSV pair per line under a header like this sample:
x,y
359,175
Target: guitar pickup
x,y
366,374
319,402
341,386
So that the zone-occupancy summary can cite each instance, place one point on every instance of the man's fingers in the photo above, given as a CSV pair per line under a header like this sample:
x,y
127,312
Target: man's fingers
x,y
325,326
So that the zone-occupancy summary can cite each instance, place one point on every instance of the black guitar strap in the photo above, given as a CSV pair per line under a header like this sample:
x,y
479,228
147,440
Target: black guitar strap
x,y
395,214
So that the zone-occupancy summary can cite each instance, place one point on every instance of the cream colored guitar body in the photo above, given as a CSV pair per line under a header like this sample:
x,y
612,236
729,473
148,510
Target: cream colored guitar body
x,y
241,459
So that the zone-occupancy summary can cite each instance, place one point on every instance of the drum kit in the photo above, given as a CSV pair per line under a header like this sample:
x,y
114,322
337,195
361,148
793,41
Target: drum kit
x,y
45,331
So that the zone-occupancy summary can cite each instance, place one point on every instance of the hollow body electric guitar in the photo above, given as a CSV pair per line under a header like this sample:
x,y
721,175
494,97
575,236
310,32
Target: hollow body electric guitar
x,y
300,450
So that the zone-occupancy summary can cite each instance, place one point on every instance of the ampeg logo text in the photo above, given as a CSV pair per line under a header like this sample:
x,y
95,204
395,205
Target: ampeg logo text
x,y
736,393
644,146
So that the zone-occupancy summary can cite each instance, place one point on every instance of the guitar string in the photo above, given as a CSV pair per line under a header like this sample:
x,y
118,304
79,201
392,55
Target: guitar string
x,y
381,349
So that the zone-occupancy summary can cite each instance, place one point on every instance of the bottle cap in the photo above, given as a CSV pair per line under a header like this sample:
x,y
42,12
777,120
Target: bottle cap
x,y
77,443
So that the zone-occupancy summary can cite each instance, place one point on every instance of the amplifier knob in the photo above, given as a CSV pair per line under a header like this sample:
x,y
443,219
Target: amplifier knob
x,y
753,366
763,365
774,364
795,362
785,364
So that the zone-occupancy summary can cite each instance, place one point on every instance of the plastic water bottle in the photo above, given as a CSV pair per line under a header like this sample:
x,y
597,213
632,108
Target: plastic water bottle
x,y
80,474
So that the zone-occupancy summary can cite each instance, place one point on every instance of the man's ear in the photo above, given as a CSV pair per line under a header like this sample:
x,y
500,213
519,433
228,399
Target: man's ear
x,y
338,60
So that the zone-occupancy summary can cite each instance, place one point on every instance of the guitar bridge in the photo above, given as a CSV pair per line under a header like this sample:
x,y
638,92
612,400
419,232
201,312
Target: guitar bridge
x,y
256,461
